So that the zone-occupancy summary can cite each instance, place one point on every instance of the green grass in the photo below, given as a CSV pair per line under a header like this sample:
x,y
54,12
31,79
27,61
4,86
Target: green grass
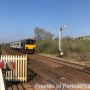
x,y
73,49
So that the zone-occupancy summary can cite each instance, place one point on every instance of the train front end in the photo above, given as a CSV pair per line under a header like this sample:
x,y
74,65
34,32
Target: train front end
x,y
30,45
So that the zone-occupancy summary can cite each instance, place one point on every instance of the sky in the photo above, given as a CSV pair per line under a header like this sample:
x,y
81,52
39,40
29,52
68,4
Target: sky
x,y
18,18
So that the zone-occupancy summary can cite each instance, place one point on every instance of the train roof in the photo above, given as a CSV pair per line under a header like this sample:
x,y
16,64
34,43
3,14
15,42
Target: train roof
x,y
24,40
27,39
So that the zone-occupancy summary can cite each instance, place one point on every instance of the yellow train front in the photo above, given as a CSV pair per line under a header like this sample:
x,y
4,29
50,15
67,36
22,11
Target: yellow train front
x,y
25,45
30,45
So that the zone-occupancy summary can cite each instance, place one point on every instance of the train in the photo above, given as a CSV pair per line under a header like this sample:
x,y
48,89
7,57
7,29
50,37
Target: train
x,y
25,45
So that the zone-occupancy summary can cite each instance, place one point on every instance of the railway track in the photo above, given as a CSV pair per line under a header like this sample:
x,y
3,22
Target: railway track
x,y
65,69
50,70
9,51
20,86
64,62
61,73
30,85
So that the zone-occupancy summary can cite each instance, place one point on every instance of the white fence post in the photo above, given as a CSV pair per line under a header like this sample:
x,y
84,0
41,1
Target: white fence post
x,y
2,84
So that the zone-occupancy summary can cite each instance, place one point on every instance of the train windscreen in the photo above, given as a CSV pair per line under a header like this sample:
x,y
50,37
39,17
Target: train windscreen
x,y
30,42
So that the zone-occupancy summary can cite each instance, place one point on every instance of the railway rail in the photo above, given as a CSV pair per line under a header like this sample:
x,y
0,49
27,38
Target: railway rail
x,y
51,71
21,86
65,69
64,62
9,51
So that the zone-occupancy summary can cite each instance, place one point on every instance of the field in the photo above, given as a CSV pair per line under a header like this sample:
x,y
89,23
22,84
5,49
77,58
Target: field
x,y
77,50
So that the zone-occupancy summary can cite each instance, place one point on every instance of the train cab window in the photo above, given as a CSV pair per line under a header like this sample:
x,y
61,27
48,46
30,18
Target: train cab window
x,y
30,42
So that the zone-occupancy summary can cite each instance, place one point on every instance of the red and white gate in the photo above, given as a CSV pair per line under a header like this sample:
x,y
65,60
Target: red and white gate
x,y
17,65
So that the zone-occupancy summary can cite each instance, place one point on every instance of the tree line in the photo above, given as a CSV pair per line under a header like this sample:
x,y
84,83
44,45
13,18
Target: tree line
x,y
72,48
45,41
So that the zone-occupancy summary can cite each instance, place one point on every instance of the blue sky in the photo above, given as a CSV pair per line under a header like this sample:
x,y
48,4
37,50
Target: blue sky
x,y
18,18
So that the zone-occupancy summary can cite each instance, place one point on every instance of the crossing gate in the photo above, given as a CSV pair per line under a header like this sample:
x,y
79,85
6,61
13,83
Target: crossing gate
x,y
20,71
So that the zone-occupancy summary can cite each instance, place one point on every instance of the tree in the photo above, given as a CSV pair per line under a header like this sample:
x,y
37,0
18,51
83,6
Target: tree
x,y
48,36
39,33
44,40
